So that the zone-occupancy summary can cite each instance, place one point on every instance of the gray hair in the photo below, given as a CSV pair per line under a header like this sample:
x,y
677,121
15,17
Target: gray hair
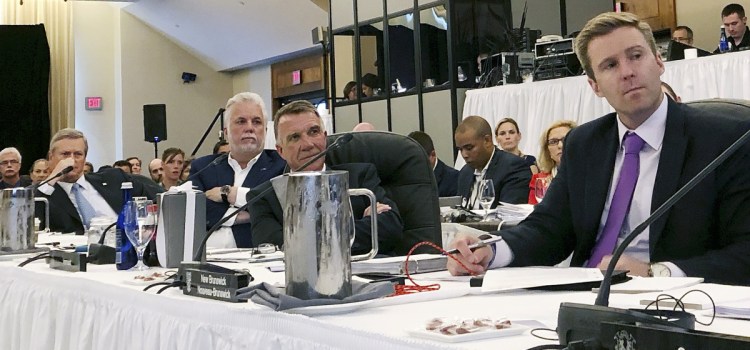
x,y
13,151
69,134
244,97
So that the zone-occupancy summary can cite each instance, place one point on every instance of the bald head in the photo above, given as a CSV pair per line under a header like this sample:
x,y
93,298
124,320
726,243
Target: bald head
x,y
474,140
364,126
156,169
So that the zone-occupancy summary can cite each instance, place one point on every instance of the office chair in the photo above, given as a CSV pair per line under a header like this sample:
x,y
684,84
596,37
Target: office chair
x,y
407,178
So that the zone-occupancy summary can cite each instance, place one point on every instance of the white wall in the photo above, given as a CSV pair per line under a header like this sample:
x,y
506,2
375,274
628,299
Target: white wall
x,y
129,64
704,17
257,80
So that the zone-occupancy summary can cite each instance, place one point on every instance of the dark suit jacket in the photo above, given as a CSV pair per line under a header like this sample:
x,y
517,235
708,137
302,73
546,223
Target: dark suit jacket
x,y
447,179
706,234
266,215
23,181
509,173
268,166
63,214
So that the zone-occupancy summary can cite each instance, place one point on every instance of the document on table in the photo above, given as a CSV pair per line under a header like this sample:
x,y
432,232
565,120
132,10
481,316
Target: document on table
x,y
529,277
735,309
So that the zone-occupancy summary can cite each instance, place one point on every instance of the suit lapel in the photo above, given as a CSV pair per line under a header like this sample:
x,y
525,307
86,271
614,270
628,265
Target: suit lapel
x,y
104,189
60,197
258,168
670,167
599,167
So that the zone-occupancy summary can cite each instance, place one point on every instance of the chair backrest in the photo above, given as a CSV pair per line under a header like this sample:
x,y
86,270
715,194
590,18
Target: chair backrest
x,y
728,108
406,176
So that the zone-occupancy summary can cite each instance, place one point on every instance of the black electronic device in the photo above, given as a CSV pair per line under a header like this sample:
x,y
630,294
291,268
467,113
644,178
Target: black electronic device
x,y
553,48
676,51
583,323
557,66
650,336
155,123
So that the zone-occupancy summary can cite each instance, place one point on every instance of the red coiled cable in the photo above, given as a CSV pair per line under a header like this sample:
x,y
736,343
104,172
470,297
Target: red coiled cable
x,y
416,287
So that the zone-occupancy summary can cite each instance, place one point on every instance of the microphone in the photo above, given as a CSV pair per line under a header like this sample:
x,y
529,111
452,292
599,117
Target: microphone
x,y
213,163
61,173
576,322
199,264
343,139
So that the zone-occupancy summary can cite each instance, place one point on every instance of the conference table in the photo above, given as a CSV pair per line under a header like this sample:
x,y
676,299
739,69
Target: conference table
x,y
535,105
104,308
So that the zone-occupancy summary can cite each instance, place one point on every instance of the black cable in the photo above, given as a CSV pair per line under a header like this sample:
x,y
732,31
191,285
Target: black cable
x,y
34,258
679,303
547,346
174,284
544,329
156,284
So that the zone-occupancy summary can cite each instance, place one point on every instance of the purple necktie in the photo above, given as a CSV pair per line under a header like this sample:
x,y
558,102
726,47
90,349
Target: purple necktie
x,y
620,205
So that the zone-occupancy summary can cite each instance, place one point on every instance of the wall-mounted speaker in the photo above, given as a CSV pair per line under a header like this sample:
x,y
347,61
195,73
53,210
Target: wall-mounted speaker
x,y
155,123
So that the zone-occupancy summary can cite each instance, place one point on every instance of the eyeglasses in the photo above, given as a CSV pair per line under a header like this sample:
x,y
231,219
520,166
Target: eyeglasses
x,y
554,142
9,162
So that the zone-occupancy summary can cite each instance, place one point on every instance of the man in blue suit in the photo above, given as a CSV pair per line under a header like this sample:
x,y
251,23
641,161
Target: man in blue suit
x,y
227,179
509,173
445,176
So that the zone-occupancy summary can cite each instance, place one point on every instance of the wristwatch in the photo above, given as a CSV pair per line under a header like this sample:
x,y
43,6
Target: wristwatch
x,y
659,270
225,193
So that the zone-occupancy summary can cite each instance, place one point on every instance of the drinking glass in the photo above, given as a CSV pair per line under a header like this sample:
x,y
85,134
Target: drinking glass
x,y
140,227
486,196
540,187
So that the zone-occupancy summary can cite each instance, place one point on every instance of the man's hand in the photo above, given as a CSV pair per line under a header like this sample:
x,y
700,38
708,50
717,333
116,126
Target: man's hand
x,y
476,261
635,266
214,194
380,207
58,168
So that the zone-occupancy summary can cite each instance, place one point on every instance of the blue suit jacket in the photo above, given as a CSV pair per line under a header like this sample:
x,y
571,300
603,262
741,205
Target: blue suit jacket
x,y
268,166
509,173
447,179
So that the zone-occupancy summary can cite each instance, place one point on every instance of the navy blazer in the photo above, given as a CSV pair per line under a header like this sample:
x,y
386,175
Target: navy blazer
x,y
267,216
63,215
706,234
269,165
509,173
447,179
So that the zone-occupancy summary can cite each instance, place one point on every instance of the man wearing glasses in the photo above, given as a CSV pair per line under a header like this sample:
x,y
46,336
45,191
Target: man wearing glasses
x,y
10,166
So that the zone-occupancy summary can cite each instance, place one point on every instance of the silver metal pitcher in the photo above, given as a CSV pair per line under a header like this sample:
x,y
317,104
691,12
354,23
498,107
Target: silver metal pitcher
x,y
318,233
17,219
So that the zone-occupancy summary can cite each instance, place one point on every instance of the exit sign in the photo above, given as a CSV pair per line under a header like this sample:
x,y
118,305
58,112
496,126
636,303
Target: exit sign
x,y
93,103
296,77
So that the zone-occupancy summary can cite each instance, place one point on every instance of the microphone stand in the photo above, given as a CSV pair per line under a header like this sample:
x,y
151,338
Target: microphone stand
x,y
580,322
211,126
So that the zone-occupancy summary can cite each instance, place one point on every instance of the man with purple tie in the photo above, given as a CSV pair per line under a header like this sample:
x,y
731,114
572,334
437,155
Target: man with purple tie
x,y
619,168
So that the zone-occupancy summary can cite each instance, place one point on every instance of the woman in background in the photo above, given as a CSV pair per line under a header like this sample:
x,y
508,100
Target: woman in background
x,y
551,145
172,160
508,136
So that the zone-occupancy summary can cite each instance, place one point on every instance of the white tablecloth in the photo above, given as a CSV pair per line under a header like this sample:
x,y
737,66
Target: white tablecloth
x,y
536,105
46,309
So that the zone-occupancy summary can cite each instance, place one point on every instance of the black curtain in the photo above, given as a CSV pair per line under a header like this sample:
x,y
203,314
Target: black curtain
x,y
24,85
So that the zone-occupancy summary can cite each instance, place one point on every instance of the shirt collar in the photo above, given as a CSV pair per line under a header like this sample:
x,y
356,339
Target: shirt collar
x,y
484,170
236,165
652,130
81,181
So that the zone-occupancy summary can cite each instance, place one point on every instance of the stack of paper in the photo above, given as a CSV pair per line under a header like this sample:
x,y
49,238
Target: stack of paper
x,y
529,277
396,265
652,284
735,309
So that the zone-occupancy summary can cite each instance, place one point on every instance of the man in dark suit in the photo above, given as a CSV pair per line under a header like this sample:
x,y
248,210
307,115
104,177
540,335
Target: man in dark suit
x,y
706,234
226,179
300,135
75,199
509,173
10,169
445,176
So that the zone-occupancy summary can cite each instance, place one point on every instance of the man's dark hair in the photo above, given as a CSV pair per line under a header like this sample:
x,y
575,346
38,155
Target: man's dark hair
x,y
687,30
424,140
218,145
294,107
733,8
120,163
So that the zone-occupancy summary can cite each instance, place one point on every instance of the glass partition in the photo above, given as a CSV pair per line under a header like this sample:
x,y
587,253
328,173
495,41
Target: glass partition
x,y
369,9
401,53
344,60
399,5
342,13
371,59
433,31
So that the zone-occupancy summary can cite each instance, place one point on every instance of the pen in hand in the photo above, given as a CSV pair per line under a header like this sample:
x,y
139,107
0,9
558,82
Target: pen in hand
x,y
477,245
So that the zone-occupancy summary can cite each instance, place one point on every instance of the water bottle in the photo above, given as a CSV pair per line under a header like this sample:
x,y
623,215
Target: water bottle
x,y
723,42
125,256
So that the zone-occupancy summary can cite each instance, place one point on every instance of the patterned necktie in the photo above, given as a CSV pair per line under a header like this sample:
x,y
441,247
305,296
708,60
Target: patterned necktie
x,y
620,205
84,207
